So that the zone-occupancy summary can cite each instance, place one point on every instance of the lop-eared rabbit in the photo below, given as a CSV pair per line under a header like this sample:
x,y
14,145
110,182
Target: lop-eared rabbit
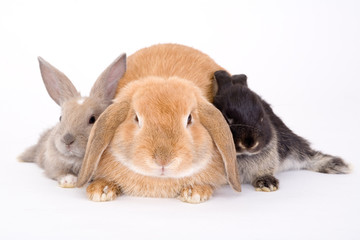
x,y
162,137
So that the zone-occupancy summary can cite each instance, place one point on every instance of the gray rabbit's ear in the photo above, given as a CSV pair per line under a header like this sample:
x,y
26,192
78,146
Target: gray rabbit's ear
x,y
57,84
106,85
223,80
240,79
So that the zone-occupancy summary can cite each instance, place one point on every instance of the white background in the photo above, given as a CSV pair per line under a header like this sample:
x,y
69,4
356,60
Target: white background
x,y
303,57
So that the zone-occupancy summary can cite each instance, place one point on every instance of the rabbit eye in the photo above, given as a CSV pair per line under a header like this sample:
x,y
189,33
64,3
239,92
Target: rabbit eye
x,y
138,121
230,120
60,119
92,119
189,120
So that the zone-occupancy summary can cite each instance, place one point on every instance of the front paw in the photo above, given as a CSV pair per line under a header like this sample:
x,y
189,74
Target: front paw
x,y
266,183
101,190
67,181
196,194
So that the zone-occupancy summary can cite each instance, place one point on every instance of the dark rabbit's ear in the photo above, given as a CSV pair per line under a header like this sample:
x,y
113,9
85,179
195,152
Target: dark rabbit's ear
x,y
239,79
223,80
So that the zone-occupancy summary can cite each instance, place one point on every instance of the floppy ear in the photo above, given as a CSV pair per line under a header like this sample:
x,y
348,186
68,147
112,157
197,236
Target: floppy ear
x,y
57,84
223,80
239,79
212,119
105,86
100,136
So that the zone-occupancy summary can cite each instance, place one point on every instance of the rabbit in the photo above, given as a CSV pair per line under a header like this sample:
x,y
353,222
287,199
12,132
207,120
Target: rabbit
x,y
60,150
161,137
264,144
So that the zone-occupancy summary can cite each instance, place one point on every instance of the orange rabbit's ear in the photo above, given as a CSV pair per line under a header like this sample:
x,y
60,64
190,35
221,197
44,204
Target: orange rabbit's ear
x,y
100,136
212,119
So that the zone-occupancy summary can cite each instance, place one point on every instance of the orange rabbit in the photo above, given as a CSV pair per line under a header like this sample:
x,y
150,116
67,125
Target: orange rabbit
x,y
162,137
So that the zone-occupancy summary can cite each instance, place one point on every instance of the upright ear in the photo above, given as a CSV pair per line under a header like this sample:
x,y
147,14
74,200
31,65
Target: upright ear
x,y
212,119
106,85
100,136
57,84
239,79
223,80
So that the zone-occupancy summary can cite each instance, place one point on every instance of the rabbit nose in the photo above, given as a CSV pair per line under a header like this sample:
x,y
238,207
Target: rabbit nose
x,y
248,143
161,161
162,156
69,139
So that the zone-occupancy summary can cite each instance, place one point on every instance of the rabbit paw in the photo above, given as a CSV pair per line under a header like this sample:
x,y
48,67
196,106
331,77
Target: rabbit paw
x,y
101,190
67,181
266,183
196,194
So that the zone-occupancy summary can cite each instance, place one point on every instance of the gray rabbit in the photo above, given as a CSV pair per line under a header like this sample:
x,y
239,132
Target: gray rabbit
x,y
60,150
264,144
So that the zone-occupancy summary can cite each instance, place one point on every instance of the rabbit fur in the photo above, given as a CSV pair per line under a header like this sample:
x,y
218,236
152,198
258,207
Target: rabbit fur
x,y
162,137
264,144
60,150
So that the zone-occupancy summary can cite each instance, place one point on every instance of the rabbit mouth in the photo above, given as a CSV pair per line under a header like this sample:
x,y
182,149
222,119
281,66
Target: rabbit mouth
x,y
164,172
247,153
70,151
147,166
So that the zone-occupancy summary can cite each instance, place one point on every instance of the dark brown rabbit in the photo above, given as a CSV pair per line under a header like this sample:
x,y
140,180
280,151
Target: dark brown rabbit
x,y
264,144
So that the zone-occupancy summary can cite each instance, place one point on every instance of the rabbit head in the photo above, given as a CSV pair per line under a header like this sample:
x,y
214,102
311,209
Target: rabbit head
x,y
78,113
162,128
244,112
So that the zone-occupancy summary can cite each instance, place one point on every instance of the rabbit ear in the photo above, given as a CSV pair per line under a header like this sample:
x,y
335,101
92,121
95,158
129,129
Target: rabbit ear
x,y
106,85
100,136
223,80
212,119
239,79
57,84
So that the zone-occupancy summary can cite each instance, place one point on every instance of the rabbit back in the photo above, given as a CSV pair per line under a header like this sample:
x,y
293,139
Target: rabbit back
x,y
169,60
36,152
